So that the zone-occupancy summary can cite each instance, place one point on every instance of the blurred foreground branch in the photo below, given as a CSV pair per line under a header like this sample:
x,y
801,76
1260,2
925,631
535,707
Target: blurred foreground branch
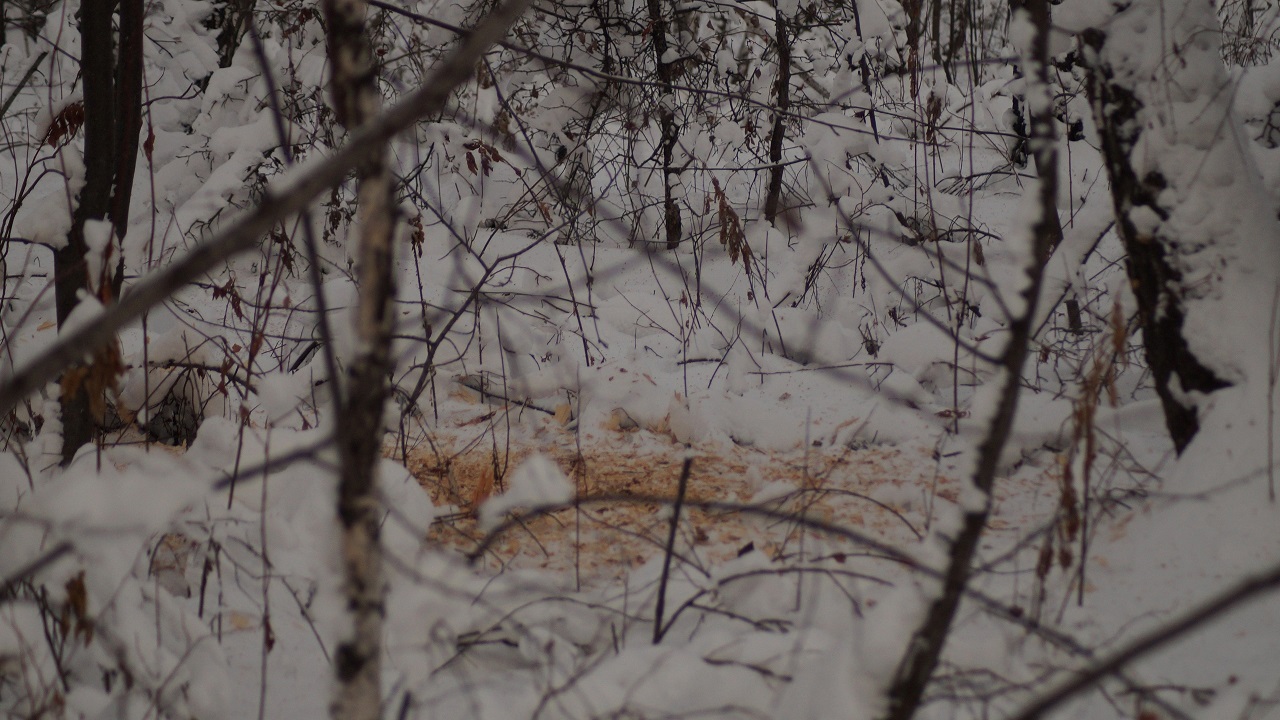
x,y
244,233
1268,581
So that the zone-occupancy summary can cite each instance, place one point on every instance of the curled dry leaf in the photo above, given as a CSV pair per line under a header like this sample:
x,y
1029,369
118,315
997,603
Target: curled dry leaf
x,y
65,125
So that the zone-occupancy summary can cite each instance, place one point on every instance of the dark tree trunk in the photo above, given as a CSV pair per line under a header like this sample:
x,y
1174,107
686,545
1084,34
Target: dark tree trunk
x,y
70,269
113,119
659,27
1156,283
914,31
128,115
773,200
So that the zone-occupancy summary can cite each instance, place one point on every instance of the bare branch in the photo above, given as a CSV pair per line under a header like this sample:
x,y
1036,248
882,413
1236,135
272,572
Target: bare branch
x,y
1246,590
33,567
924,648
243,234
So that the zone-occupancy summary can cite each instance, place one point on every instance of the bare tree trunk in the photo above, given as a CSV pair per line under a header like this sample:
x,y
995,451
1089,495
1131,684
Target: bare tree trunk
x,y
128,116
71,269
961,12
659,27
925,646
113,118
773,199
1170,262
914,32
357,101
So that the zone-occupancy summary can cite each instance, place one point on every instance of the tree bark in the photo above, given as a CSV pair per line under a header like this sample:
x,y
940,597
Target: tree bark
x,y
659,26
357,100
128,115
1155,152
70,266
914,30
782,93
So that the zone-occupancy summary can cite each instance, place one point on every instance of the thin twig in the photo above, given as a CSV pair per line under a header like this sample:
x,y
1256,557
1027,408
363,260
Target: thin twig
x,y
681,489
23,82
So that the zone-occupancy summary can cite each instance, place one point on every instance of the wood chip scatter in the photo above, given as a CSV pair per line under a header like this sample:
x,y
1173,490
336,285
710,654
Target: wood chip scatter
x,y
879,491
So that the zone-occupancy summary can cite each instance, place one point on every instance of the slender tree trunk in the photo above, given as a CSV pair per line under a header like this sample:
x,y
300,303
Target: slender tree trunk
x,y
935,18
659,27
925,648
357,101
112,80
70,266
1186,196
773,200
128,115
914,32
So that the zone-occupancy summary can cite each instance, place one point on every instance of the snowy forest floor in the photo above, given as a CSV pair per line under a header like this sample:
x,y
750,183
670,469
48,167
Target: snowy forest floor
x,y
607,552
822,380
886,492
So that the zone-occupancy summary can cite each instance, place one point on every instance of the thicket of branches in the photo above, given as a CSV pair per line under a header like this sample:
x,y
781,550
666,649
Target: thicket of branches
x,y
321,218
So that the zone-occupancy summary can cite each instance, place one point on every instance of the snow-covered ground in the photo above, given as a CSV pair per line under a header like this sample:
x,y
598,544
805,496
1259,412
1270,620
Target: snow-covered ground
x,y
823,382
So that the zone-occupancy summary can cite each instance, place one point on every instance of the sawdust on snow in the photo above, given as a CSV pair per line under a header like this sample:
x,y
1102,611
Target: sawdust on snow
x,y
886,492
